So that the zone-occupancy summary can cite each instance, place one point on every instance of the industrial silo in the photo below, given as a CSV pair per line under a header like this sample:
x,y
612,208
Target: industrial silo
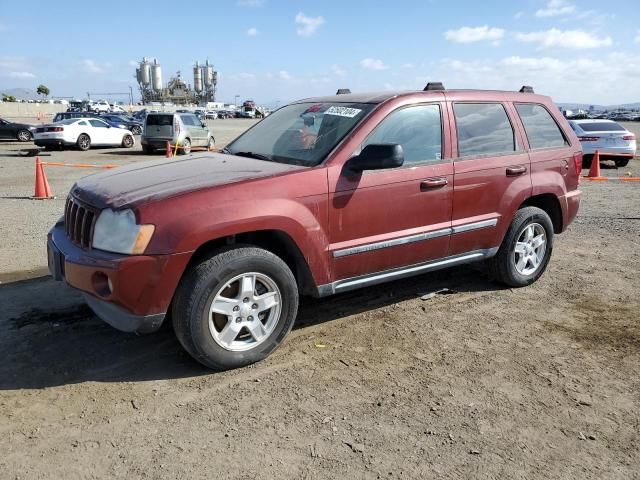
x,y
197,78
156,76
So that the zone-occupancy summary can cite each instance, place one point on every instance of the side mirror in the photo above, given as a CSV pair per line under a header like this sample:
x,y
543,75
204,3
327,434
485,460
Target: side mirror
x,y
377,157
204,125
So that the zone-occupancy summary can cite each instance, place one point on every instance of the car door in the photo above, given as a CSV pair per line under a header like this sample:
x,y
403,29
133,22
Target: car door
x,y
492,174
196,131
393,218
100,132
5,129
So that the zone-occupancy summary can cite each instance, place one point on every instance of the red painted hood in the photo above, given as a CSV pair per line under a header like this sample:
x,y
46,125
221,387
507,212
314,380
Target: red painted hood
x,y
158,179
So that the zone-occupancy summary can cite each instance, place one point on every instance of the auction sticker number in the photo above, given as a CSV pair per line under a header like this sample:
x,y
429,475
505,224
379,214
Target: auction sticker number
x,y
342,111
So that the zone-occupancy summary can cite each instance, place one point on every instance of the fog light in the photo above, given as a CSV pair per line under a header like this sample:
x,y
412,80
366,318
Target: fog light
x,y
102,284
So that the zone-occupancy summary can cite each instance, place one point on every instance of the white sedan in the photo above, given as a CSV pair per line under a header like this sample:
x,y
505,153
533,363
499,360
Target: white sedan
x,y
610,139
83,133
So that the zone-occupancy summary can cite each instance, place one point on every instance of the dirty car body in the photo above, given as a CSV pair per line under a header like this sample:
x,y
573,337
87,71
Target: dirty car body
x,y
354,190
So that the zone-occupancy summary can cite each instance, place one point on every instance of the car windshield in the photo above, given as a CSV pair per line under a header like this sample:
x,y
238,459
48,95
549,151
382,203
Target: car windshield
x,y
601,127
68,121
300,133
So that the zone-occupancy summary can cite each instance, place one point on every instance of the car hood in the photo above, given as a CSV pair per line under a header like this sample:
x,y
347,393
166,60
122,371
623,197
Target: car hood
x,y
157,179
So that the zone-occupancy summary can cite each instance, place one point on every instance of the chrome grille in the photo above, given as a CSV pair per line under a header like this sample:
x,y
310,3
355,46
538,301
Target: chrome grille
x,y
79,220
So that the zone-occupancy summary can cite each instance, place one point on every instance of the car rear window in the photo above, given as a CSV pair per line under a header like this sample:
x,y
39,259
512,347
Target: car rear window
x,y
601,127
483,129
541,129
160,120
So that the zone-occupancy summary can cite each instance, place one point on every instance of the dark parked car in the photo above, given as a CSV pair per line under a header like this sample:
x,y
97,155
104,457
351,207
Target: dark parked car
x,y
129,123
15,131
323,196
69,115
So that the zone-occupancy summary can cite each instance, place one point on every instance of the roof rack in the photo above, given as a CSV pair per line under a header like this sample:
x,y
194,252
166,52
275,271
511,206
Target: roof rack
x,y
434,86
526,89
343,91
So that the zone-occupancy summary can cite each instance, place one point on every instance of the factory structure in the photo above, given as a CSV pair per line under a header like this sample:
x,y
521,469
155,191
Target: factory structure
x,y
176,91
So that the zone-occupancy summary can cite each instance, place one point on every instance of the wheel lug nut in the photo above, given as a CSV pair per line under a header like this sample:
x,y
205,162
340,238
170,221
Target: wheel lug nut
x,y
254,306
245,300
236,308
250,318
239,319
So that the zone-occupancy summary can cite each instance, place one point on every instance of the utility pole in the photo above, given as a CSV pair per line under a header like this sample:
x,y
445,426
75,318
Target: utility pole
x,y
237,97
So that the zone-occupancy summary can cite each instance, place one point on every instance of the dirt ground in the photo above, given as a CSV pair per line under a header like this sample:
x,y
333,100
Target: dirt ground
x,y
485,382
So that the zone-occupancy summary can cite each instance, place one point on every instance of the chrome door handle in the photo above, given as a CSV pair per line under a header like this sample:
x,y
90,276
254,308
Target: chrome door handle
x,y
516,170
430,183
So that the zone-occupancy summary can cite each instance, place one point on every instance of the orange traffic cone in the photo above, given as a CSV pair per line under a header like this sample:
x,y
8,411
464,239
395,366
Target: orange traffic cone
x,y
168,153
594,171
43,190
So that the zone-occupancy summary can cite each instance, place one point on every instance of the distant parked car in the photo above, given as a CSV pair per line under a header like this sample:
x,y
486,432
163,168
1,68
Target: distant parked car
x,y
185,129
117,109
211,114
122,122
69,115
101,106
83,133
612,140
15,131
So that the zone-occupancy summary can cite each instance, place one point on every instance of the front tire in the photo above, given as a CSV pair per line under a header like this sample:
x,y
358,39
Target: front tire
x,y
235,307
24,136
84,142
127,141
136,130
526,249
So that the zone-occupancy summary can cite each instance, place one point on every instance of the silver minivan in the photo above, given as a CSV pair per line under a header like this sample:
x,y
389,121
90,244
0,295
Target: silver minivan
x,y
185,130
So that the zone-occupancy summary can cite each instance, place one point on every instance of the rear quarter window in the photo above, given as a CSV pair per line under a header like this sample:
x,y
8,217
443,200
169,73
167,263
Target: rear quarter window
x,y
541,129
483,129
160,120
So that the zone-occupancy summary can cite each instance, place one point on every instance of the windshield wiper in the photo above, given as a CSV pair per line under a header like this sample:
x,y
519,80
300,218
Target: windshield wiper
x,y
257,156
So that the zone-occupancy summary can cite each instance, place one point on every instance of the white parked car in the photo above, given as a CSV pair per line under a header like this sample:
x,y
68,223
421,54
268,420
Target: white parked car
x,y
117,109
83,133
101,106
612,140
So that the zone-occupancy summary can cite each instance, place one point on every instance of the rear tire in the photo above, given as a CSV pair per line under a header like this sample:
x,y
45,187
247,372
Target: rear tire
x,y
147,149
84,142
622,162
519,262
185,148
257,295
586,161
211,145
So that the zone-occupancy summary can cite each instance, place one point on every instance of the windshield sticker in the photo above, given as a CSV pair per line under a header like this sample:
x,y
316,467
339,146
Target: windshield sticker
x,y
343,111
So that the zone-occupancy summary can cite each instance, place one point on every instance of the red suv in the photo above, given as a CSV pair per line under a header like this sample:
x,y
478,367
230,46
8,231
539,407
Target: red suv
x,y
323,196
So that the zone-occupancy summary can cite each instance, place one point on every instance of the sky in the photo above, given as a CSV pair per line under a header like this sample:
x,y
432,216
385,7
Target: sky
x,y
275,51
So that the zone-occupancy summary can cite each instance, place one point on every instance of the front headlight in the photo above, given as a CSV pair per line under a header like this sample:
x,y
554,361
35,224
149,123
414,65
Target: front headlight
x,y
117,232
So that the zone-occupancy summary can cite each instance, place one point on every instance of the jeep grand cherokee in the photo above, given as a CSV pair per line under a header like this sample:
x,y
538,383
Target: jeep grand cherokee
x,y
323,196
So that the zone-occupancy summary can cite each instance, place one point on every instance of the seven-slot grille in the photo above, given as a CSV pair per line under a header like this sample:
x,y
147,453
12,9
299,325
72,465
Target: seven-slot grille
x,y
79,220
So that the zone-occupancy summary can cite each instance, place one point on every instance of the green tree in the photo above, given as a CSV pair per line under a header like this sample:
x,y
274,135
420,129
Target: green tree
x,y
8,98
43,90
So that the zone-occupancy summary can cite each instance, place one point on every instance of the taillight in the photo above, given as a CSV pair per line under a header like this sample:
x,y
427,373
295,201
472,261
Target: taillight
x,y
176,126
56,129
629,137
588,139
577,161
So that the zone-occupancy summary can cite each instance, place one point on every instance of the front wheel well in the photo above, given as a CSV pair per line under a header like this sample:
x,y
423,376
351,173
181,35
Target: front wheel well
x,y
550,204
275,241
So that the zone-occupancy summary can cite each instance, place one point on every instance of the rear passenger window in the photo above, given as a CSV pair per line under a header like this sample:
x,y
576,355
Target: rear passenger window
x,y
483,129
418,129
542,130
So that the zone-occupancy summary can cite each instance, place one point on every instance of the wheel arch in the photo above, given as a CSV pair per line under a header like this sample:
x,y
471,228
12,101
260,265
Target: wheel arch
x,y
550,204
277,242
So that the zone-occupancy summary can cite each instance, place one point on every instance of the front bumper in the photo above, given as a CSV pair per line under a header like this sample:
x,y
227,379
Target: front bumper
x,y
129,292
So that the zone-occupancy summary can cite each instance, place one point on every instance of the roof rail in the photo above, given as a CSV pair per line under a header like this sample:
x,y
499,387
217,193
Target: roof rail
x,y
343,91
526,89
434,86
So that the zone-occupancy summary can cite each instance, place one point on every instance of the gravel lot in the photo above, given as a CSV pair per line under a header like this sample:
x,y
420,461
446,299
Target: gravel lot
x,y
486,382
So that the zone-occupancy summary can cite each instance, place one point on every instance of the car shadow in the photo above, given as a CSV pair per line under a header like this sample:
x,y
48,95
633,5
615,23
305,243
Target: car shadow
x,y
68,344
